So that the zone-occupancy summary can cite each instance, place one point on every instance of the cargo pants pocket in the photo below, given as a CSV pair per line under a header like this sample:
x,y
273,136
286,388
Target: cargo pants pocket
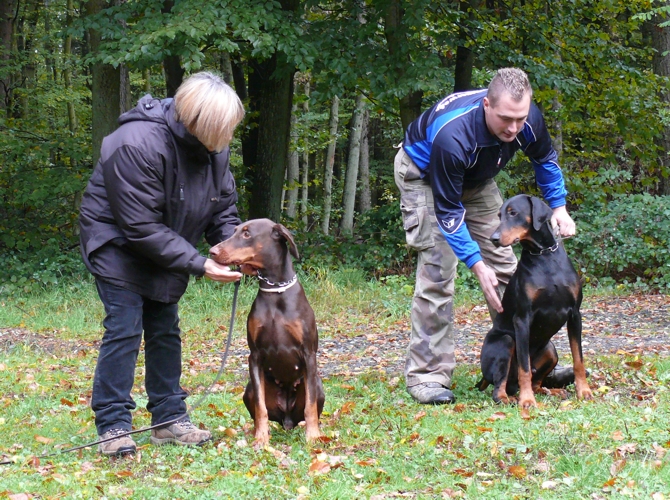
x,y
417,226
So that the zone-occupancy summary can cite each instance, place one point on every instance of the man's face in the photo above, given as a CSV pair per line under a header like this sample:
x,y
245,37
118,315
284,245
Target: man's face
x,y
507,118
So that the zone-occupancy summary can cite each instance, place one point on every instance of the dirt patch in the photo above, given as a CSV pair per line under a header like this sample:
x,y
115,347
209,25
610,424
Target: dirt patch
x,y
632,324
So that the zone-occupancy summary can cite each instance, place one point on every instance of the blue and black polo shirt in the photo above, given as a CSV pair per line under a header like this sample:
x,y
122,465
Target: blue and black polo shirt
x,y
452,146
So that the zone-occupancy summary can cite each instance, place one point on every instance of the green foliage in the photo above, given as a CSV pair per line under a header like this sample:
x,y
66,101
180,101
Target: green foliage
x,y
625,241
377,247
139,34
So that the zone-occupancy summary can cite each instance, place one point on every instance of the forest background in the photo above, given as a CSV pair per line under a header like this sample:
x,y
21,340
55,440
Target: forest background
x,y
329,87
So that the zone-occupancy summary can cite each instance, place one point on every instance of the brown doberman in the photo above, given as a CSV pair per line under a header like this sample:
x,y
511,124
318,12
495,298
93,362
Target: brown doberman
x,y
543,294
281,331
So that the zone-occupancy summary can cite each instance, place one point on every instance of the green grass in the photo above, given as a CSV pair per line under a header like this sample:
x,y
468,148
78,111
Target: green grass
x,y
378,443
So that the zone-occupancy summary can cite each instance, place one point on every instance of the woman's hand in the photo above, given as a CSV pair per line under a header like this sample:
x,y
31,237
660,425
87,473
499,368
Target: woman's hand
x,y
219,272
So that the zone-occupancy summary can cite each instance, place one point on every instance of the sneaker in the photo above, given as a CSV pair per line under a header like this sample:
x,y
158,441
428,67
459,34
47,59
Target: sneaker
x,y
432,393
182,432
123,445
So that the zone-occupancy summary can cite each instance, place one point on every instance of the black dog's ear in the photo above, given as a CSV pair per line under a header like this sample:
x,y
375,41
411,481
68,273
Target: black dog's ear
x,y
282,232
541,212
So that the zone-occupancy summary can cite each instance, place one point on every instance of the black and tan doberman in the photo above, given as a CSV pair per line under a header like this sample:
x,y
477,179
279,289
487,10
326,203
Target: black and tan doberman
x,y
544,294
285,386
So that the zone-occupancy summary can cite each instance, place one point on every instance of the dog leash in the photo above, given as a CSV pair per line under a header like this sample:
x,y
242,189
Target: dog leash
x,y
177,419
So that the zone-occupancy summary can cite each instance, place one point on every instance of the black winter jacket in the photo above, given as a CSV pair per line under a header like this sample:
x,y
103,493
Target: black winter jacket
x,y
154,193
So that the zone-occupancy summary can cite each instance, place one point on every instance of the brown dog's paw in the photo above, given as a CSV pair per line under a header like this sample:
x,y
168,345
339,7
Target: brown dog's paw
x,y
261,439
585,394
527,402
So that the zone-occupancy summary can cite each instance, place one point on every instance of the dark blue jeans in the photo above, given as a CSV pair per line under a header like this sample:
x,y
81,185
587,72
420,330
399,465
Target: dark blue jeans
x,y
127,316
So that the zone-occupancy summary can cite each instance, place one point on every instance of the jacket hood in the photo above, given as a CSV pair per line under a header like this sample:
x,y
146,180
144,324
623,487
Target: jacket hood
x,y
155,110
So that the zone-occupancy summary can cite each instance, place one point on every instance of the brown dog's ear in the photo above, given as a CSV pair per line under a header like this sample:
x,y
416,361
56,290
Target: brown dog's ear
x,y
282,232
541,212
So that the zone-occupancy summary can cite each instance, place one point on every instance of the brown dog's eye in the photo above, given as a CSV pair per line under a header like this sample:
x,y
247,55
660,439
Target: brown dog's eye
x,y
245,234
512,213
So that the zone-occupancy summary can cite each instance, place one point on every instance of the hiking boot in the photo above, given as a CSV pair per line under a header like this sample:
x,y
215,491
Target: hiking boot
x,y
123,445
431,393
182,432
560,377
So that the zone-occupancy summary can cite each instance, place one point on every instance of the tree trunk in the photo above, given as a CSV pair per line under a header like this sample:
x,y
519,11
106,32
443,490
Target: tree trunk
x,y
105,91
67,72
146,76
661,65
351,175
364,165
293,168
328,167
275,100
465,58
304,198
410,105
174,73
26,78
226,68
7,28
125,96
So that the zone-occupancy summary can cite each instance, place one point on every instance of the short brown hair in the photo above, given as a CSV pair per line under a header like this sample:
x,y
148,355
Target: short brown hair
x,y
511,80
209,109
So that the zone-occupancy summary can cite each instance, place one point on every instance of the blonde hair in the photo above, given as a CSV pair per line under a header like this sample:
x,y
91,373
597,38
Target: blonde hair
x,y
209,109
511,80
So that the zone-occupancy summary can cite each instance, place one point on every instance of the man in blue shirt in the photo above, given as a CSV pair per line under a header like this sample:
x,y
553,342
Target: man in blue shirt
x,y
450,202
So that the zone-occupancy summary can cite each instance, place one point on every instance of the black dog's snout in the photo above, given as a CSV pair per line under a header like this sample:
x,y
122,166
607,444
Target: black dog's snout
x,y
495,238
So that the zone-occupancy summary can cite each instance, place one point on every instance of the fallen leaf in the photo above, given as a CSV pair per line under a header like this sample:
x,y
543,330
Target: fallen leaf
x,y
517,471
497,416
43,440
549,485
420,415
625,449
617,466
318,467
617,436
367,462
347,407
463,472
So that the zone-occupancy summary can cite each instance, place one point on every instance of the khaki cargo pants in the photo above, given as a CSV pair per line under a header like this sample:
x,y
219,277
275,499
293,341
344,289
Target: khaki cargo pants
x,y
430,356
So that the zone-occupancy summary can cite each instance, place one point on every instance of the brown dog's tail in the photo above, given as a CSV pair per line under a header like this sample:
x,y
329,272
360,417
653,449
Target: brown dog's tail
x,y
482,384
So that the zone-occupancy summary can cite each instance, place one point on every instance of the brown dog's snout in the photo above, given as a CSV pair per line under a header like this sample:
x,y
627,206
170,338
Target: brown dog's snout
x,y
218,254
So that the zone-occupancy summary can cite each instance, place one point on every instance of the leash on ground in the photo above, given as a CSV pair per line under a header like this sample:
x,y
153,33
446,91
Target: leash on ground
x,y
162,424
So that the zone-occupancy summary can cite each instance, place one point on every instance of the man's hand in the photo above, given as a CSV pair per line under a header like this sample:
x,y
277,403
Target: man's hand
x,y
489,283
219,272
566,226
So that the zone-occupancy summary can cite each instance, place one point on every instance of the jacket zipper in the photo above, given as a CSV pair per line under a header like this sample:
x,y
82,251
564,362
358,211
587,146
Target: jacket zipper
x,y
181,192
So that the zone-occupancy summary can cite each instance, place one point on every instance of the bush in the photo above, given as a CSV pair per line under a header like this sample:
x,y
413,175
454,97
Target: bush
x,y
625,241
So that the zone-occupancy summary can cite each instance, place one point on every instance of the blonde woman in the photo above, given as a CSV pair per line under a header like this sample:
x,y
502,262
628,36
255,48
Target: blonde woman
x,y
162,182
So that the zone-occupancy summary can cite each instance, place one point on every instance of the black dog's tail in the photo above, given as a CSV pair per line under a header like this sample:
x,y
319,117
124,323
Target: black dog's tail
x,y
482,384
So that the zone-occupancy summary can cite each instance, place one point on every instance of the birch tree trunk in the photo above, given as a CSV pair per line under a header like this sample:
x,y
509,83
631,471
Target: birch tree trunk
x,y
304,199
293,168
328,167
364,168
351,175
